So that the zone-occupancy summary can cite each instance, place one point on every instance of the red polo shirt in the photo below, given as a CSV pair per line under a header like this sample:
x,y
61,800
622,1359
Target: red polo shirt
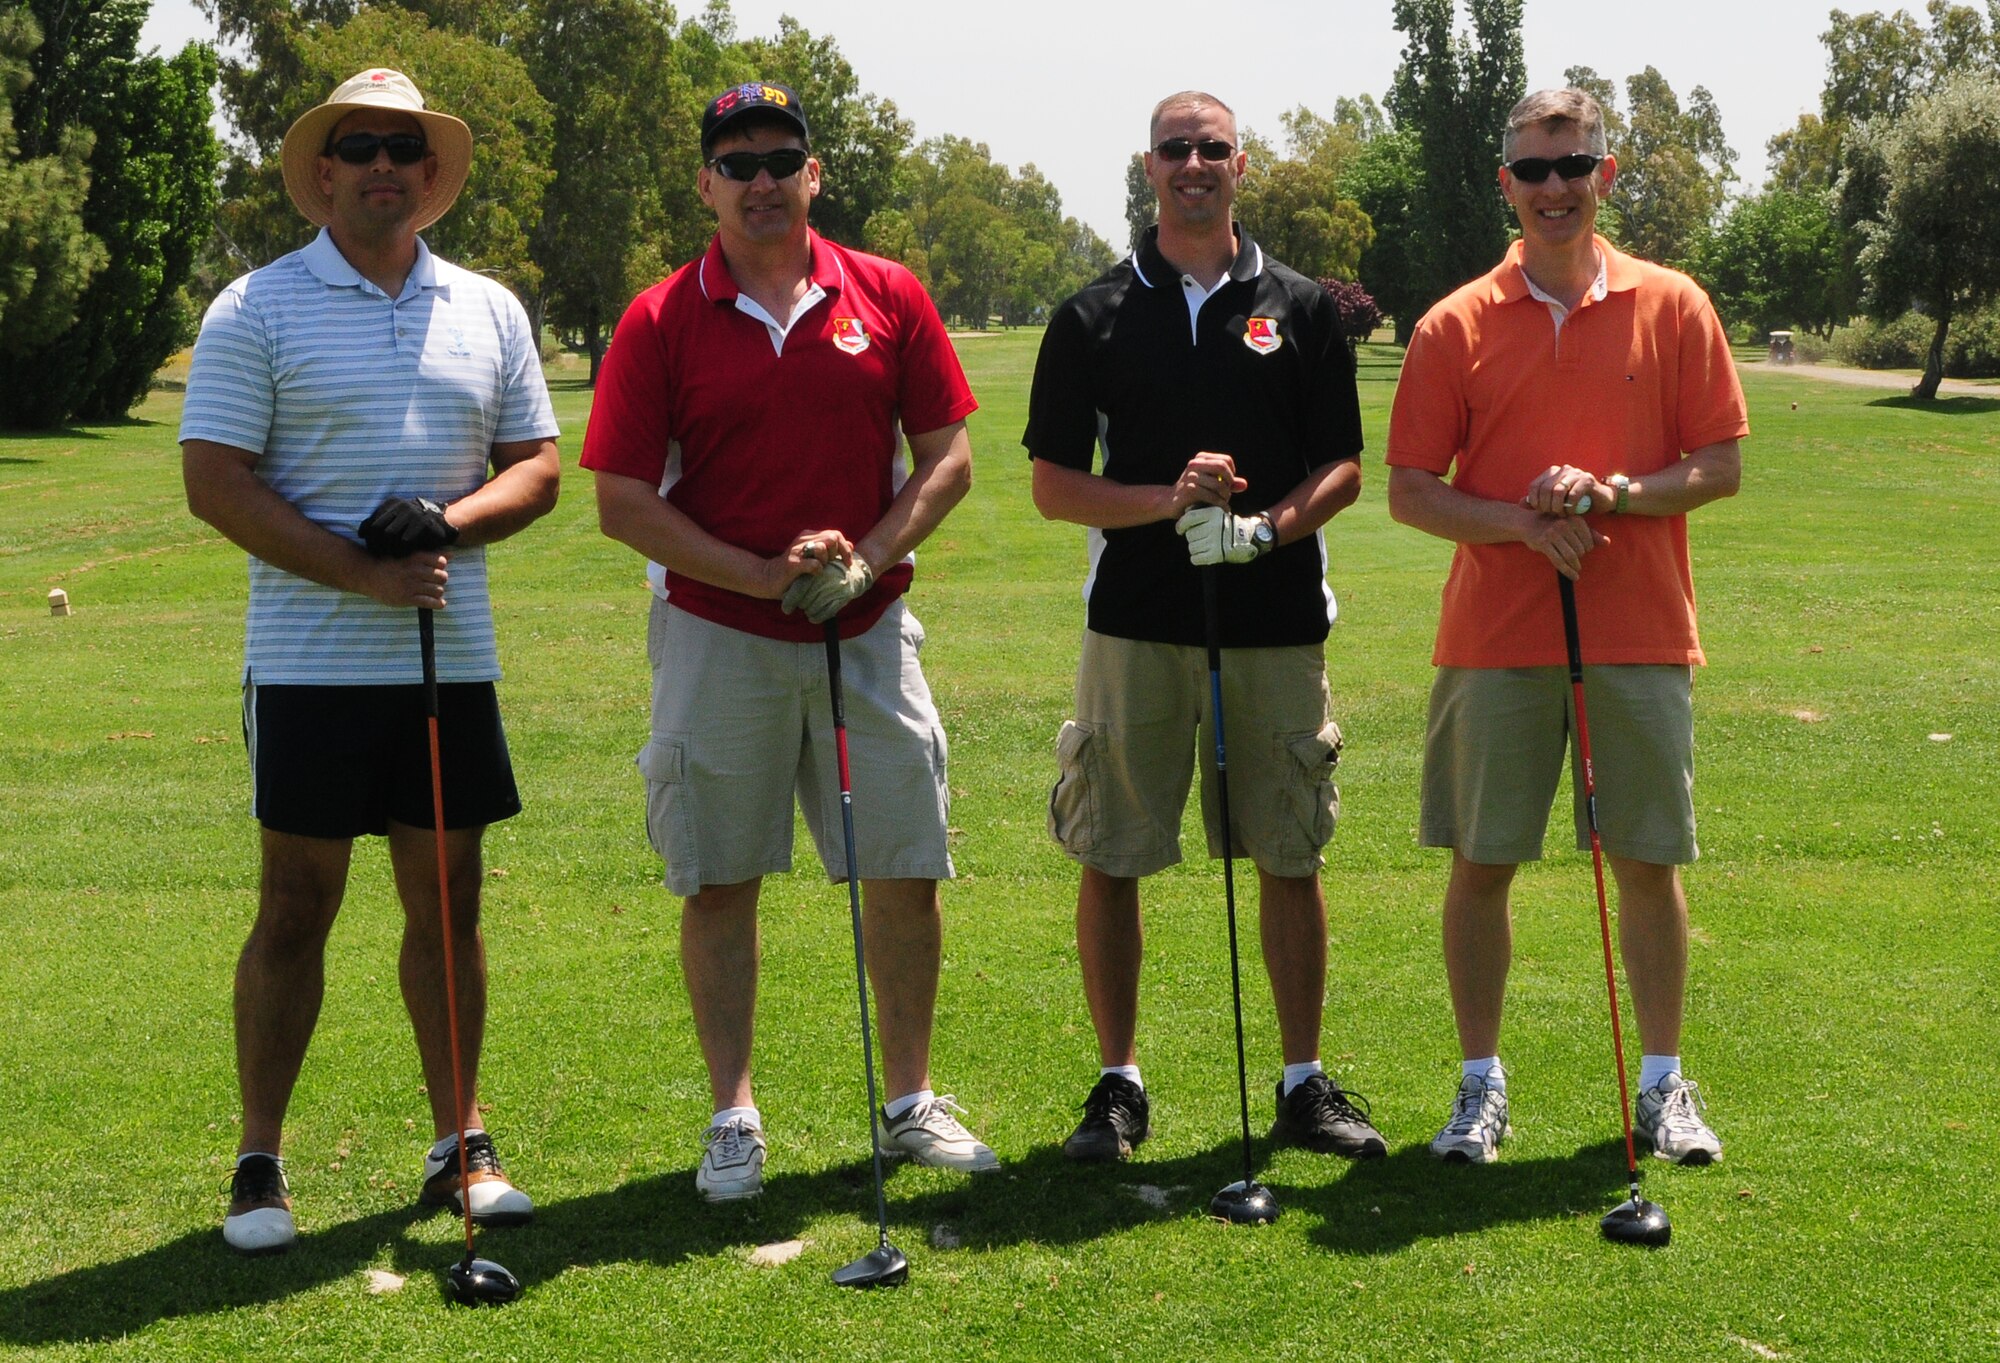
x,y
756,439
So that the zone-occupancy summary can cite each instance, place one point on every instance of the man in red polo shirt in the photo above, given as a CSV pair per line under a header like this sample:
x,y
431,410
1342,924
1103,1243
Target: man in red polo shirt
x,y
1589,402
748,438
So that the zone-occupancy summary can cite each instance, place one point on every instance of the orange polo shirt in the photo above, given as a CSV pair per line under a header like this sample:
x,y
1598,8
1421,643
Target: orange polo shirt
x,y
1633,382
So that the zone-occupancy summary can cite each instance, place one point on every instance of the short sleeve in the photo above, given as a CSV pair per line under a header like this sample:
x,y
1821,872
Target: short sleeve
x,y
631,418
1333,401
1428,423
525,413
230,392
1062,412
1711,405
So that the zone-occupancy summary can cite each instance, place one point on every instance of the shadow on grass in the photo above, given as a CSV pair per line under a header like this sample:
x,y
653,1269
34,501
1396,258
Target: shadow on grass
x,y
17,459
1956,405
1386,1205
1043,1199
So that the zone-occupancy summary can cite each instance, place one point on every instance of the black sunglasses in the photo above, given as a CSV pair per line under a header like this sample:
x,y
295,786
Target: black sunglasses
x,y
1532,170
743,166
1178,149
358,149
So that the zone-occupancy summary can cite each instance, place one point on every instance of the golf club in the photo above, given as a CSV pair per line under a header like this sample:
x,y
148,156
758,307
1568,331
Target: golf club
x,y
1248,1203
472,1281
1634,1221
884,1265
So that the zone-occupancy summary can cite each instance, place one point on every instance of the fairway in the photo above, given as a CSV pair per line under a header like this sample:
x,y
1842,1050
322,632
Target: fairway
x,y
1842,991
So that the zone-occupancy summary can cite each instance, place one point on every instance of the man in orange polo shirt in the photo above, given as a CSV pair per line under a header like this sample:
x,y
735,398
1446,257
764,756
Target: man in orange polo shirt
x,y
1588,402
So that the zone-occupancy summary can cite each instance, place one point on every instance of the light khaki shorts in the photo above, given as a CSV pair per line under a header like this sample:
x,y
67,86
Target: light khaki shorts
x,y
1142,718
743,724
1494,753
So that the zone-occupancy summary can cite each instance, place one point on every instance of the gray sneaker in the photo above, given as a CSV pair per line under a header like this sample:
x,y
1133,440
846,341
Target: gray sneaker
x,y
930,1133
1478,1123
1669,1117
732,1161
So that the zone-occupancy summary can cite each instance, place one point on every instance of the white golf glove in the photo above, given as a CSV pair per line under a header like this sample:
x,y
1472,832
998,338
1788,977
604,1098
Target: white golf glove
x,y
822,594
1216,536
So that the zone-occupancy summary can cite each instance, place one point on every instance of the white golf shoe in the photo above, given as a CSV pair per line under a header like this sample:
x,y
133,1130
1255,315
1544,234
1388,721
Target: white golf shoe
x,y
1669,1117
930,1133
1478,1123
732,1161
260,1207
495,1201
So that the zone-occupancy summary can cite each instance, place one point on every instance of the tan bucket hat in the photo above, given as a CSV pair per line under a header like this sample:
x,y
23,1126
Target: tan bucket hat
x,y
376,88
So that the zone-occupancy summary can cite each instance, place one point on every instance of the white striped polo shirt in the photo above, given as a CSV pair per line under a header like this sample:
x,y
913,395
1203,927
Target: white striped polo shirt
x,y
349,397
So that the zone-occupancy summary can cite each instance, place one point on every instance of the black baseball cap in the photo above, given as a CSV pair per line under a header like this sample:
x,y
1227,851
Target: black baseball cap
x,y
751,97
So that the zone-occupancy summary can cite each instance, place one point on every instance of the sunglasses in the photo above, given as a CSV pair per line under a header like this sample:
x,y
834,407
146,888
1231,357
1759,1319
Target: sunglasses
x,y
1178,149
359,149
1532,170
743,166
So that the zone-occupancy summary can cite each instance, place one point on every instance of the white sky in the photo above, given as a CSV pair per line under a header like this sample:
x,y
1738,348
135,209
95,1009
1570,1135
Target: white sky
x,y
1067,84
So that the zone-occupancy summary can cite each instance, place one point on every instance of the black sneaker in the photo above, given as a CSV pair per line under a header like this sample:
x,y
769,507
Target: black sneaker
x,y
1319,1116
1116,1117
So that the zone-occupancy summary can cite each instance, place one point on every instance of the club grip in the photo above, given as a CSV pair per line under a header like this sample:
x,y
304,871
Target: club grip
x,y
833,674
1568,590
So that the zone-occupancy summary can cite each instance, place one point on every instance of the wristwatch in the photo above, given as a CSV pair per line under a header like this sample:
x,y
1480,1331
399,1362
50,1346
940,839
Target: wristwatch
x,y
1263,534
1624,486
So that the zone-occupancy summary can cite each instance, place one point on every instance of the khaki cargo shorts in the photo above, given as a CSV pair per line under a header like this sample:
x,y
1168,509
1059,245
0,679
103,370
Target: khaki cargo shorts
x,y
743,724
1142,719
1493,756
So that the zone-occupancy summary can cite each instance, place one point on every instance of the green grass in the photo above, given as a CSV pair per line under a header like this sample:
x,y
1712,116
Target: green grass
x,y
1841,1012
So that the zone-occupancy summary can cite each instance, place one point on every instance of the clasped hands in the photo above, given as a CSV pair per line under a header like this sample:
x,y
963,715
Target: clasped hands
x,y
1214,534
831,575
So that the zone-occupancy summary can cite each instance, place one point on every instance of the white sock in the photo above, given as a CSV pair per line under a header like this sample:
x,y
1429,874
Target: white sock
x,y
449,1144
903,1104
1129,1073
1653,1069
738,1114
1299,1073
265,1153
1487,1067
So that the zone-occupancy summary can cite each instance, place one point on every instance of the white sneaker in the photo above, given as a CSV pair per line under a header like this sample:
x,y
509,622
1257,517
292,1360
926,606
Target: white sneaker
x,y
495,1201
1478,1123
260,1207
1669,1117
929,1134
732,1161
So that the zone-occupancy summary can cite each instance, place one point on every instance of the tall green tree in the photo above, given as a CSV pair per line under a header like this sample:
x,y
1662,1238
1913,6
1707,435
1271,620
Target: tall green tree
x,y
1386,180
152,166
1142,206
1453,91
1293,206
47,259
1674,169
624,147
1932,230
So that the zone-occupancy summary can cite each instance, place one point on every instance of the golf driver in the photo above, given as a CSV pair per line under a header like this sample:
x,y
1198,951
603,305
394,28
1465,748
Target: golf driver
x,y
884,1265
1248,1203
1634,1221
472,1281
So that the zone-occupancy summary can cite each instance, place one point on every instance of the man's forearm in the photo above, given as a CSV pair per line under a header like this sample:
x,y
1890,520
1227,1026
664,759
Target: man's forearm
x,y
523,489
226,492
940,477
1319,497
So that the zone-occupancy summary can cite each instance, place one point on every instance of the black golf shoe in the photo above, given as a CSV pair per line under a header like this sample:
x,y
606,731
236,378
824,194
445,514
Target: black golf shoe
x,y
1116,1117
1320,1116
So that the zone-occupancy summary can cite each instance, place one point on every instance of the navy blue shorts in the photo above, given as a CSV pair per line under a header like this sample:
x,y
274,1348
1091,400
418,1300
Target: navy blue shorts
x,y
342,761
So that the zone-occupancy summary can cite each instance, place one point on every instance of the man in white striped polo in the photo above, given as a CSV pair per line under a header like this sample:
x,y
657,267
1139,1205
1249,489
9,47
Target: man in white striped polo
x,y
363,418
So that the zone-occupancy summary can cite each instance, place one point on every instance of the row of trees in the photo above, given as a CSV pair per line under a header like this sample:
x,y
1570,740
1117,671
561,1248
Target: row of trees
x,y
588,114
582,188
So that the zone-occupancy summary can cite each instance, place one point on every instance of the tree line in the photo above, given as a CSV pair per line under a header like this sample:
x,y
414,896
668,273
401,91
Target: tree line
x,y
123,214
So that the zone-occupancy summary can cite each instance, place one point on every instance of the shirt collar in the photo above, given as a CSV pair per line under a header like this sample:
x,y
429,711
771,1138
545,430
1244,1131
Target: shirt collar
x,y
1616,273
719,286
330,267
1156,270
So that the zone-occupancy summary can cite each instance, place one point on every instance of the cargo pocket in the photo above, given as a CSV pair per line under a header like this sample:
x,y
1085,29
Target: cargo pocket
x,y
669,827
1309,787
1073,806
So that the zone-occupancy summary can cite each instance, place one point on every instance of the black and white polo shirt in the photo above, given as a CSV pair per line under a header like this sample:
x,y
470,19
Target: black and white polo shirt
x,y
1145,367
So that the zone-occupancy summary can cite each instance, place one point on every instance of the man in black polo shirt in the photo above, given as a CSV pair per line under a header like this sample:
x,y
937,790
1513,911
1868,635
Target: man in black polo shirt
x,y
1222,394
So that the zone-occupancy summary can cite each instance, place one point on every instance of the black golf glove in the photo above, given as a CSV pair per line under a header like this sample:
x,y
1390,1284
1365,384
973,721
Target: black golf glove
x,y
403,526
